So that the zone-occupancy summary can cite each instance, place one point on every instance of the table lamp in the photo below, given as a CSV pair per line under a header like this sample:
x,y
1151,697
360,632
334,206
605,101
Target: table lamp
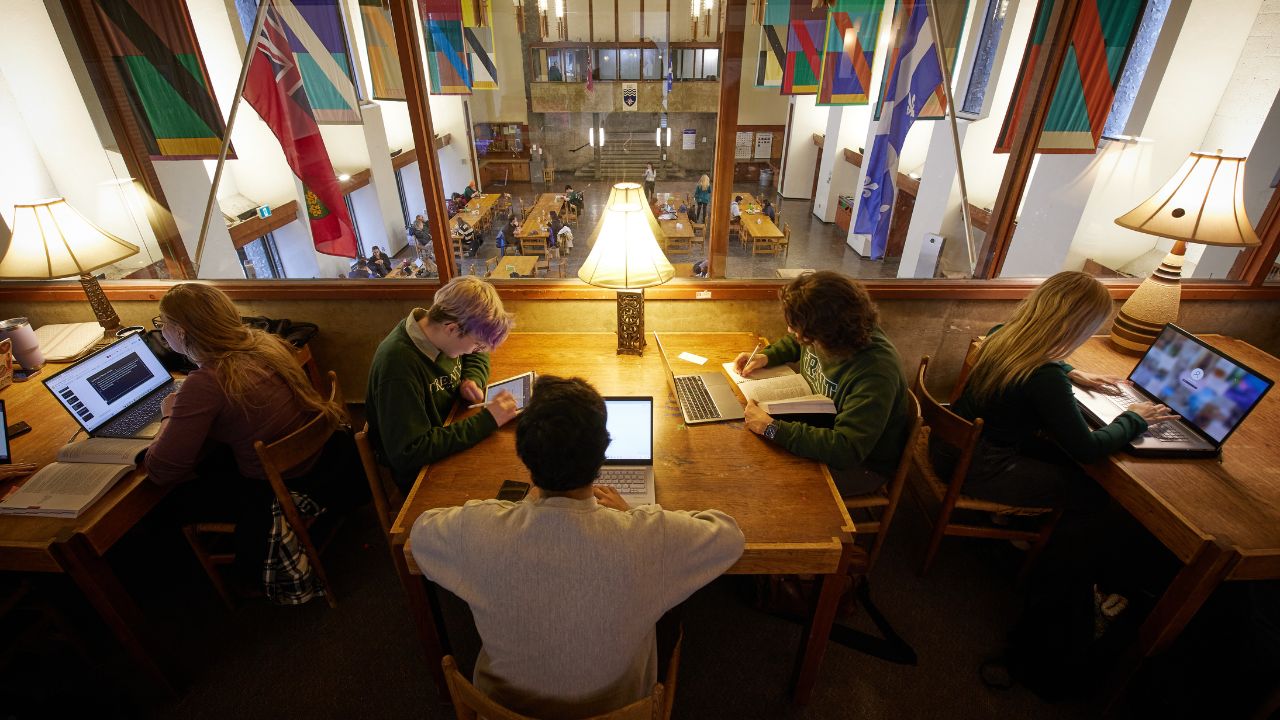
x,y
625,256
51,240
1202,203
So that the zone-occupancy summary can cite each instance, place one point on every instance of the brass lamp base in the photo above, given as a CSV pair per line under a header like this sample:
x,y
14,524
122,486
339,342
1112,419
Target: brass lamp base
x,y
631,322
1152,305
102,308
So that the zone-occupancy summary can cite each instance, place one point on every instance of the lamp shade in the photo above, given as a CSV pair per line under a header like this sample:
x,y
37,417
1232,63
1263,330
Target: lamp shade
x,y
52,240
624,251
1202,203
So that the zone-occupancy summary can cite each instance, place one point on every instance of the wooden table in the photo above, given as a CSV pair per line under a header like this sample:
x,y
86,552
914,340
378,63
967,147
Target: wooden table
x,y
535,225
523,265
787,506
76,546
1221,517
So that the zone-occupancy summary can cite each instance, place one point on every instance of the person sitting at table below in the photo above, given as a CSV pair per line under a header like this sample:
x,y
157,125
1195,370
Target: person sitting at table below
x,y
247,387
430,360
379,262
1021,387
769,211
361,270
469,191
573,198
568,584
843,354
735,209
553,73
454,204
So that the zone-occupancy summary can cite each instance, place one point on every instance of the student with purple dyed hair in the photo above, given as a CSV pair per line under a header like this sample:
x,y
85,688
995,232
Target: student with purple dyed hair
x,y
429,361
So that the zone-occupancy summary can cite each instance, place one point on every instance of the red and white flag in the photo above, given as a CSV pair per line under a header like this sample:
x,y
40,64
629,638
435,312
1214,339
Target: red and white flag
x,y
274,89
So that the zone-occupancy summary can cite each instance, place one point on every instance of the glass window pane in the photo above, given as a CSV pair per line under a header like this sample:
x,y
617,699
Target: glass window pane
x,y
710,64
652,65
629,65
607,65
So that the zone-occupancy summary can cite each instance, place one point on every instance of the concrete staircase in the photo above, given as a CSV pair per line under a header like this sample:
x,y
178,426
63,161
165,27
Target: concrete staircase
x,y
624,157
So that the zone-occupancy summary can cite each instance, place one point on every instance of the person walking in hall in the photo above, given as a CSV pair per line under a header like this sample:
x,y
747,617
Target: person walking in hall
x,y
650,180
702,198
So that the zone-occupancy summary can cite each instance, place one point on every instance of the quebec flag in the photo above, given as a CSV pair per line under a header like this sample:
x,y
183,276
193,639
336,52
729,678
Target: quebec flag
x,y
916,79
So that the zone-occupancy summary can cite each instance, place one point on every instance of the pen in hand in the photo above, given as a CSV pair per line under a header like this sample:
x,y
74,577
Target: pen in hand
x,y
751,357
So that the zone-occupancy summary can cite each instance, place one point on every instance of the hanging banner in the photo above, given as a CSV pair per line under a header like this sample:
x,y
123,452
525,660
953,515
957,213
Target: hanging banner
x,y
380,39
630,96
772,54
447,68
1100,38
689,139
804,48
154,47
764,145
477,31
951,19
319,44
852,27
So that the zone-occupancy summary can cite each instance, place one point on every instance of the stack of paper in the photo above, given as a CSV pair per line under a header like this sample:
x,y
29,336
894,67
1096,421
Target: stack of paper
x,y
61,343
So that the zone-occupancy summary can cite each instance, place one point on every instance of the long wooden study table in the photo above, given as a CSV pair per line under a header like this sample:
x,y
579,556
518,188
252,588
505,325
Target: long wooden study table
x,y
1220,517
787,507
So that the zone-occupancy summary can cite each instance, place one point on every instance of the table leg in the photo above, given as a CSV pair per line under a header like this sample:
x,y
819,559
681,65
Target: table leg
x,y
1190,588
426,618
100,586
818,629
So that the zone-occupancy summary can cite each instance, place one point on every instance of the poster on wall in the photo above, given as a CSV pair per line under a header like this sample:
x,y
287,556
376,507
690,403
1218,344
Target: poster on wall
x,y
689,139
764,145
742,147
630,96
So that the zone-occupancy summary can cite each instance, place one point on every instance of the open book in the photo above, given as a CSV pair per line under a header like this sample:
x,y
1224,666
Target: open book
x,y
84,472
782,391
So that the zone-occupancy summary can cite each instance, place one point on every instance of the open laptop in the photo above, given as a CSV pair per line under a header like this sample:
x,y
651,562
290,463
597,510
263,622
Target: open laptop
x,y
116,391
703,397
1211,393
628,461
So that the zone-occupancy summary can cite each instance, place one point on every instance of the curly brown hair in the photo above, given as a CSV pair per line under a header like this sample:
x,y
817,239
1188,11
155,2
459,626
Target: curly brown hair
x,y
830,309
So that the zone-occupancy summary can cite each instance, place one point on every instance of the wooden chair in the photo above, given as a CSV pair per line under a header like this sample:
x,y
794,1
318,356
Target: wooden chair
x,y
970,359
471,704
387,498
534,246
785,243
490,264
963,435
679,246
548,175
888,496
761,246
277,458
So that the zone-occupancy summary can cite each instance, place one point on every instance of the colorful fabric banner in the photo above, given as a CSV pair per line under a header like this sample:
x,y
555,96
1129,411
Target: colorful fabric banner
x,y
477,30
912,82
275,89
850,49
380,40
319,44
773,43
154,47
447,68
1100,38
804,48
951,16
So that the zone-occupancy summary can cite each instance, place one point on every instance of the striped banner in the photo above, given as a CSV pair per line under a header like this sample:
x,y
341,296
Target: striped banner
x,y
849,51
380,41
804,48
319,43
951,16
447,68
773,43
154,47
477,31
1100,38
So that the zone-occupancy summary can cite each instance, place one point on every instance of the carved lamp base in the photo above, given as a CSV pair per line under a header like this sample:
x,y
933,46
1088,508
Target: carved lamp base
x,y
631,322
102,308
1155,303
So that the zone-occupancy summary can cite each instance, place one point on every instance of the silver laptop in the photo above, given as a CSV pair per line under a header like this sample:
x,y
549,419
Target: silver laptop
x,y
116,391
628,461
1211,393
703,397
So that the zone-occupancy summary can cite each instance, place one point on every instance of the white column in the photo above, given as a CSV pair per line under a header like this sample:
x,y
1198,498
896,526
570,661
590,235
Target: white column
x,y
383,180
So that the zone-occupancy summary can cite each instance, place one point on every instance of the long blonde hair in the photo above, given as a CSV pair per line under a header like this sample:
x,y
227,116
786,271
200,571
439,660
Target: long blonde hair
x,y
215,337
704,183
1049,324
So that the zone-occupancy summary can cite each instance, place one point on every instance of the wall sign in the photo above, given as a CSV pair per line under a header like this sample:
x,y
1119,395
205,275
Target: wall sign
x,y
689,139
630,96
764,145
742,146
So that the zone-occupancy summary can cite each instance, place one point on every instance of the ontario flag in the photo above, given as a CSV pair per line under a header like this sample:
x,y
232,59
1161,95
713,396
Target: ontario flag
x,y
274,89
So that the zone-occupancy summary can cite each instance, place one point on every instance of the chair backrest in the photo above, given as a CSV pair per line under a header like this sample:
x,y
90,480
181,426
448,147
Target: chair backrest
x,y
537,246
379,477
491,264
678,245
970,359
470,704
946,426
764,247
786,232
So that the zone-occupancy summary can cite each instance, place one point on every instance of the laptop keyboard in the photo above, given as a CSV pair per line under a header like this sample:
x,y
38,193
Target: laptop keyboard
x,y
630,481
1167,431
137,417
695,399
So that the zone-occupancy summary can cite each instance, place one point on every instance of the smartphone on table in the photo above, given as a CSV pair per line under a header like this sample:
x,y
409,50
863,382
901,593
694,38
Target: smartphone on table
x,y
513,490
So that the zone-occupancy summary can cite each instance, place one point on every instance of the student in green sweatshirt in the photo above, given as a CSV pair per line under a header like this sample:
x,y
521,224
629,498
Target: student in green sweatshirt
x,y
429,361
1033,433
843,354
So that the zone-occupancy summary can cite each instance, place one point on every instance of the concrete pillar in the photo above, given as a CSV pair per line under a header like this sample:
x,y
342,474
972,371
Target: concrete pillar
x,y
383,180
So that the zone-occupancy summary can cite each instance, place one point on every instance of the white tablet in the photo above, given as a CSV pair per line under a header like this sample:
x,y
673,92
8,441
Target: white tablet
x,y
520,386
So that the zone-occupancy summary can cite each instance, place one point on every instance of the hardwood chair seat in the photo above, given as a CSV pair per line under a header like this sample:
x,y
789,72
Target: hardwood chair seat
x,y
964,502
387,498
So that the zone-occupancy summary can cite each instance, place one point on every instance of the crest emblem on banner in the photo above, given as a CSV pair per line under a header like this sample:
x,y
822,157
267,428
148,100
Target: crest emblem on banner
x,y
630,95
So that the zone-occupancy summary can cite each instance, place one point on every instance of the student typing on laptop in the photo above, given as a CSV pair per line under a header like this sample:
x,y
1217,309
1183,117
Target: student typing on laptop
x,y
247,387
568,585
1021,388
844,355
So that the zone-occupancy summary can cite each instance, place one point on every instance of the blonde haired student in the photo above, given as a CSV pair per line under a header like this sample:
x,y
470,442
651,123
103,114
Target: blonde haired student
x,y
1020,386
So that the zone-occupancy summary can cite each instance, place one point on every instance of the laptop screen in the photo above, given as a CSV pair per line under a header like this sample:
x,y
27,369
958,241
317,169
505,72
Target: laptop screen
x,y
108,382
1205,387
630,425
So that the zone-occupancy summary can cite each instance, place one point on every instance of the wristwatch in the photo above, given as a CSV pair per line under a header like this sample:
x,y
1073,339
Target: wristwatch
x,y
771,430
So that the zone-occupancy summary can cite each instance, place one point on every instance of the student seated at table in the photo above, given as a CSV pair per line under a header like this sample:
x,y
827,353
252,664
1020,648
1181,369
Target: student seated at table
x,y
430,360
247,387
379,262
1021,387
834,335
735,209
469,191
573,198
361,270
455,204
568,585
768,211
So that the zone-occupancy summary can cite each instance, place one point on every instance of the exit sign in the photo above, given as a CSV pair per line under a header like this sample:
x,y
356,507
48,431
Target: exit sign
x,y
264,212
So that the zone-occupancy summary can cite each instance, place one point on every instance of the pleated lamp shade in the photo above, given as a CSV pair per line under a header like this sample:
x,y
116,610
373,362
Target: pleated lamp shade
x,y
1202,203
625,254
